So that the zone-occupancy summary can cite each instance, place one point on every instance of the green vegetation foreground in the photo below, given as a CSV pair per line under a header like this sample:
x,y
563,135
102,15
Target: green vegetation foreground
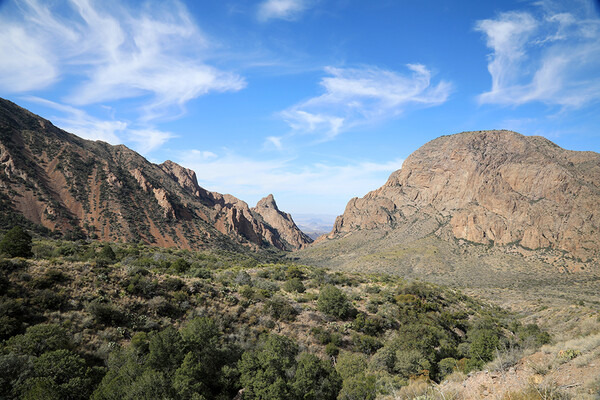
x,y
85,320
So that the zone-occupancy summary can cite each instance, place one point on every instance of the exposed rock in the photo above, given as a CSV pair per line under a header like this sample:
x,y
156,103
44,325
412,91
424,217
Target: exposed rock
x,y
186,178
489,187
282,222
63,182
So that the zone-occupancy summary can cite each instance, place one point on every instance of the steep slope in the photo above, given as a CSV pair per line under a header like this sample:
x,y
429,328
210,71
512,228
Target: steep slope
x,y
282,222
69,184
496,188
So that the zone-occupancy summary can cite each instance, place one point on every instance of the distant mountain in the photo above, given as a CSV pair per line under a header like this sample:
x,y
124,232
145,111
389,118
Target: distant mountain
x,y
513,193
315,225
64,183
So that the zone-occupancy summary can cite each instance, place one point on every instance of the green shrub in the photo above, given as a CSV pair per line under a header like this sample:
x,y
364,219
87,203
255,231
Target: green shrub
x,y
359,387
411,363
173,284
280,309
365,343
59,374
484,343
105,313
332,301
39,339
294,285
107,254
315,379
180,266
16,243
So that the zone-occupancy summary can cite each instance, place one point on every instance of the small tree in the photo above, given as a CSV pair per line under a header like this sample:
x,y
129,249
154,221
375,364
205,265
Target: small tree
x,y
107,254
333,301
16,243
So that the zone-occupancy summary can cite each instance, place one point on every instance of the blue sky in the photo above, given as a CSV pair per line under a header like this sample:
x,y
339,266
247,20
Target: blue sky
x,y
315,101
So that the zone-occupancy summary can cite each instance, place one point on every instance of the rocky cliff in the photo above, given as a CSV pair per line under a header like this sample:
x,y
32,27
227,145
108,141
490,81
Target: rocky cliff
x,y
496,188
67,184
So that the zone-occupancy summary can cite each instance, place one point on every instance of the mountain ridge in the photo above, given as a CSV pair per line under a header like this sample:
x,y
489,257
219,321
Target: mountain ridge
x,y
66,183
518,194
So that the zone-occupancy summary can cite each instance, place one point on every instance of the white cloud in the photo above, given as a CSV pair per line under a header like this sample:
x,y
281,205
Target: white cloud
x,y
551,57
147,140
319,186
113,52
80,123
281,9
25,64
274,141
357,96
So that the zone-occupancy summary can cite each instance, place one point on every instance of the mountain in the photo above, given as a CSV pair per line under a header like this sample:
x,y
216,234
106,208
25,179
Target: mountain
x,y
514,194
90,188
315,225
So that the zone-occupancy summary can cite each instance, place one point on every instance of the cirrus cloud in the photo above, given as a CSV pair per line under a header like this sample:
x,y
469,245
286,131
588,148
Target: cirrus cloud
x,y
548,56
361,96
109,52
299,188
281,9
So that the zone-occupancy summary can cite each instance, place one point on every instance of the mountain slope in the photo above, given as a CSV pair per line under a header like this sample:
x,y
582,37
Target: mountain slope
x,y
496,188
69,184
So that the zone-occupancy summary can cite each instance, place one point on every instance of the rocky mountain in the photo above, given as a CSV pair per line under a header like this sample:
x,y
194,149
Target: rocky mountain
x,y
495,188
64,183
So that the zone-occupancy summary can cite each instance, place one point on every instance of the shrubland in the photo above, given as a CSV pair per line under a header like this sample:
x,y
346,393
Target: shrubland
x,y
84,319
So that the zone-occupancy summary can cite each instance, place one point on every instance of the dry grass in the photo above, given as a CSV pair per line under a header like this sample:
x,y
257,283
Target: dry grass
x,y
537,392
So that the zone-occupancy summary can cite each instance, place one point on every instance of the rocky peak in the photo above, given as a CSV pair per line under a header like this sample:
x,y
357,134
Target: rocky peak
x,y
267,202
186,178
489,187
267,209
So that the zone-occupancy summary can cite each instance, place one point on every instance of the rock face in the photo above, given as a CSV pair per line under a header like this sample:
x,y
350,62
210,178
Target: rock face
x,y
64,183
489,187
282,222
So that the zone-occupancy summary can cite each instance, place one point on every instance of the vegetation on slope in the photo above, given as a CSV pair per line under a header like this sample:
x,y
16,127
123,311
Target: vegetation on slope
x,y
91,320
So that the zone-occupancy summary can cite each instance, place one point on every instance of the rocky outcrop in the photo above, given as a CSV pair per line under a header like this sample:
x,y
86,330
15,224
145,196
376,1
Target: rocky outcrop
x,y
490,187
65,183
282,223
263,224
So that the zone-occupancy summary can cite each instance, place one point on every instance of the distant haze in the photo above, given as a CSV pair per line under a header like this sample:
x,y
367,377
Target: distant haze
x,y
314,225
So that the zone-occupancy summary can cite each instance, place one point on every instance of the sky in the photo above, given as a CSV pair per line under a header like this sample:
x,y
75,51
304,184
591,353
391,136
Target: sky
x,y
314,101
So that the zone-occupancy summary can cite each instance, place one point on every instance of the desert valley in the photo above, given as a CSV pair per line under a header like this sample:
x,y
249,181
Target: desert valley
x,y
472,273
299,200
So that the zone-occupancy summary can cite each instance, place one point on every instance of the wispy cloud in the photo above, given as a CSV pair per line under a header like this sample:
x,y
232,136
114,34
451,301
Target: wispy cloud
x,y
548,56
358,96
154,52
281,9
307,185
77,121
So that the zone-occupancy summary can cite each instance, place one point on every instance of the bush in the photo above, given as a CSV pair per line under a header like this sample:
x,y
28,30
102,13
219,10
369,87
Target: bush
x,y
16,243
243,278
107,254
180,266
265,372
332,301
484,343
61,373
39,339
315,379
173,284
359,387
294,285
446,366
365,344
411,363
105,313
279,309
